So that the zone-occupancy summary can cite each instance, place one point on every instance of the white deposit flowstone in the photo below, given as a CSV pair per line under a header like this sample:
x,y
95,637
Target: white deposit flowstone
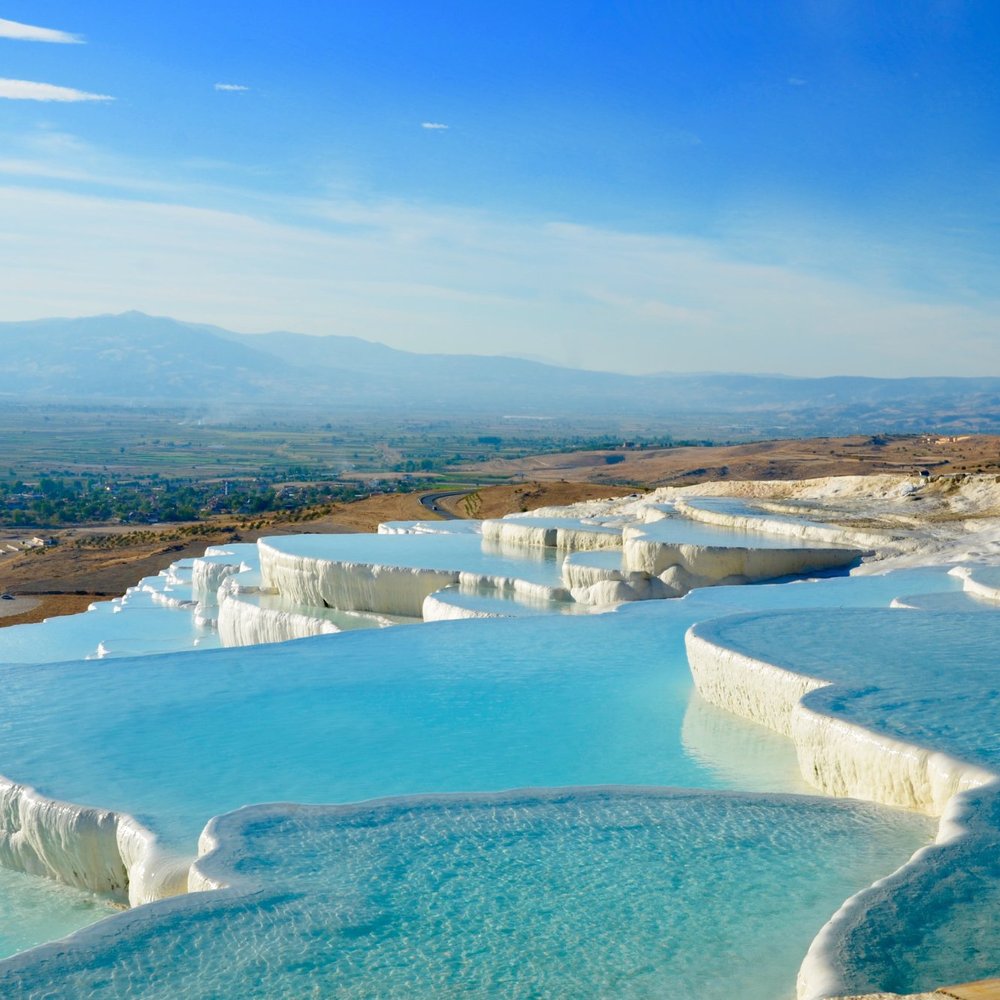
x,y
662,844
545,562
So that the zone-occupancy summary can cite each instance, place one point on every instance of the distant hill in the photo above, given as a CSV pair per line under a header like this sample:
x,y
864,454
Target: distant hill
x,y
138,359
134,357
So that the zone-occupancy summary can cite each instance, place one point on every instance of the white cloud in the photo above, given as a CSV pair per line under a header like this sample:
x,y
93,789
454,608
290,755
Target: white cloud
x,y
796,81
26,90
49,153
29,33
36,168
437,126
230,86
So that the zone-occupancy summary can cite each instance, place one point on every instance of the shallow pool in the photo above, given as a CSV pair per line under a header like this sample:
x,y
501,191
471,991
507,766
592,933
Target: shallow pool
x,y
451,706
626,894
35,910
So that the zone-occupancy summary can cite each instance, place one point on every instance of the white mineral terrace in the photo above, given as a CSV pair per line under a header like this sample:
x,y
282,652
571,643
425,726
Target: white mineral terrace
x,y
527,560
980,581
559,533
731,516
96,849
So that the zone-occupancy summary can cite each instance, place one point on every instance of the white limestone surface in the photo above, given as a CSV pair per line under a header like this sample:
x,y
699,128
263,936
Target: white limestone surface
x,y
929,922
584,569
529,591
393,574
946,519
438,607
903,520
567,534
207,576
245,621
137,623
980,581
914,783
598,578
883,719
85,847
354,586
788,527
250,614
211,571
460,602
945,601
451,527
706,565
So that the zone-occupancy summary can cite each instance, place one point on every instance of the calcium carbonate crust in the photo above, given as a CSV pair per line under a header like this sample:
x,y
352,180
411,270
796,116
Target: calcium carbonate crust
x,y
980,581
88,848
112,853
519,534
243,622
706,565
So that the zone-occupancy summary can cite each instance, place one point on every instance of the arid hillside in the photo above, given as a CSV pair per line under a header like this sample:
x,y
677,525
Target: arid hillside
x,y
790,459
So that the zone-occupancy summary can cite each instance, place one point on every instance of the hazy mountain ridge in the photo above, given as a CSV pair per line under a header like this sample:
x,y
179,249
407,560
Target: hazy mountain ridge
x,y
133,357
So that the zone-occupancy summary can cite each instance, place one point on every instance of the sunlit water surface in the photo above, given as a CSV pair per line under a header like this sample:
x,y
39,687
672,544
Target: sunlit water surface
x,y
460,707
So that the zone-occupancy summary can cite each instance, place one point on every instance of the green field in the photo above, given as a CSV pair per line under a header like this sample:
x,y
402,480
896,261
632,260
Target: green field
x,y
74,464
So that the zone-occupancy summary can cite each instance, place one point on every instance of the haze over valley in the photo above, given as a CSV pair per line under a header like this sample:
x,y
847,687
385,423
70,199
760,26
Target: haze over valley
x,y
138,360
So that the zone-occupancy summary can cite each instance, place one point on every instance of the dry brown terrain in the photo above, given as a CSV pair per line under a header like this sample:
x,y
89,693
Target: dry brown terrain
x,y
495,501
89,564
791,459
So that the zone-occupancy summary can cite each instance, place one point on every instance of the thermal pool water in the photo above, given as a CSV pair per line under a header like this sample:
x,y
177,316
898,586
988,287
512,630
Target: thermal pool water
x,y
581,893
631,891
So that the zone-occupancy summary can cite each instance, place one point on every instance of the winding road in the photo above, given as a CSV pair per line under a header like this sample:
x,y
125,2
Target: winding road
x,y
430,501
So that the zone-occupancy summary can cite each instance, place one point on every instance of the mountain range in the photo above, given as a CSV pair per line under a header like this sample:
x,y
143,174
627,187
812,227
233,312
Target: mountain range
x,y
133,359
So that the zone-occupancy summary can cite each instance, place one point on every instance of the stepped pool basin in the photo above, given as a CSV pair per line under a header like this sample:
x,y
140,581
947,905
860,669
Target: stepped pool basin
x,y
176,739
460,552
683,531
980,581
885,670
736,507
450,706
627,889
137,624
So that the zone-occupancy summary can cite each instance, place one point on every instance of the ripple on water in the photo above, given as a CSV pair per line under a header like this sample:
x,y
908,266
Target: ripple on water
x,y
624,893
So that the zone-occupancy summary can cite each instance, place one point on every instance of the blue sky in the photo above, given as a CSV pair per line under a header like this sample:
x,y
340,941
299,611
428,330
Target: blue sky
x,y
808,187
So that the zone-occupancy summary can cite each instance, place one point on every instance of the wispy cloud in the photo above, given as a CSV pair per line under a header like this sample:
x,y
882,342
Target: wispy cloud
x,y
581,294
29,33
434,126
796,81
26,90
230,86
